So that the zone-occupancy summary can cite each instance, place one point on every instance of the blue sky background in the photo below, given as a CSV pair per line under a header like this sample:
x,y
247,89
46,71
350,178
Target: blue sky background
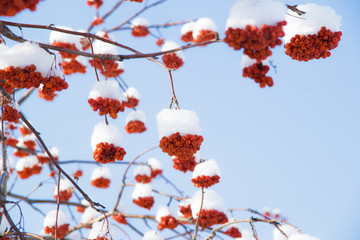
x,y
294,146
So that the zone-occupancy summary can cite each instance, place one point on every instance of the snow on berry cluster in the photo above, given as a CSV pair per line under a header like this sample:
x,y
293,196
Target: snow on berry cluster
x,y
28,166
165,218
65,190
142,174
101,177
106,143
179,132
206,174
61,221
135,122
155,166
26,65
185,164
234,230
106,97
140,27
204,29
132,97
119,215
95,3
185,208
256,27
212,211
143,195
172,60
152,235
314,35
100,231
44,158
11,8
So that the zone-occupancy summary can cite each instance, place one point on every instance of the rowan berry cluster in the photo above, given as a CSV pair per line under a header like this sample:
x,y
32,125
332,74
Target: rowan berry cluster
x,y
60,230
167,222
106,152
203,36
106,106
155,172
181,146
101,182
258,72
112,68
119,218
205,181
17,77
144,202
27,172
135,127
313,46
143,178
95,3
97,21
187,37
172,60
184,164
53,84
64,195
10,114
48,97
185,211
131,102
66,45
255,41
73,66
11,8
140,31
233,232
211,217
11,141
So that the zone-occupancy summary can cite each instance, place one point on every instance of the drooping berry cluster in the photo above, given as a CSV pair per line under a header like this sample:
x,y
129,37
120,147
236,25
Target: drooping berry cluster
x,y
186,211
64,195
10,114
61,230
258,72
181,146
205,181
313,46
233,232
131,102
106,106
11,7
144,202
66,45
143,178
27,172
255,41
106,152
112,68
135,127
95,3
140,31
53,84
211,217
184,164
73,66
101,182
172,60
48,96
17,77
167,222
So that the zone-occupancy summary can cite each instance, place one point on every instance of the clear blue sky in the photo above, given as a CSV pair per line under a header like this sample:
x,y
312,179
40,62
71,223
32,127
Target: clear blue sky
x,y
294,146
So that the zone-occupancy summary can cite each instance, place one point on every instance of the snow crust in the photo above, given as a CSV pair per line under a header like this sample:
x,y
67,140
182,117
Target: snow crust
x,y
208,168
142,170
204,24
107,89
132,92
140,22
212,200
99,229
256,13
26,162
183,121
25,54
99,172
65,184
170,45
187,27
287,229
142,190
136,115
315,17
162,212
50,219
152,235
64,37
300,236
154,163
89,214
106,133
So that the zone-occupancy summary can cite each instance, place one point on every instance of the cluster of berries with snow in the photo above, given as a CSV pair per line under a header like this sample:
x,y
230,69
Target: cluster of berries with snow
x,y
106,143
179,132
11,8
119,215
172,60
95,3
155,166
140,27
44,157
64,192
165,218
204,29
142,174
184,164
314,35
100,231
132,98
106,97
206,174
135,122
101,177
257,70
234,230
143,195
62,224
185,208
28,166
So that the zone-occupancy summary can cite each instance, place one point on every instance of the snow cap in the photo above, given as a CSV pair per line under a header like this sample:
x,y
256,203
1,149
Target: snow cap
x,y
170,121
142,190
136,115
204,24
50,219
101,172
107,89
154,163
152,235
105,133
187,27
212,200
26,162
246,61
65,184
140,22
315,17
89,214
207,168
300,236
162,212
56,36
170,45
142,170
255,13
